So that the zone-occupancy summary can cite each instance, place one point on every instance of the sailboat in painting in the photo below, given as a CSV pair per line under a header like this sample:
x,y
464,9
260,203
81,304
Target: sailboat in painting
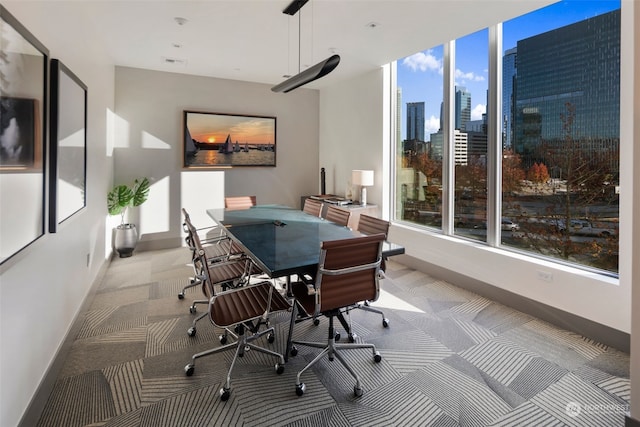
x,y
227,147
190,148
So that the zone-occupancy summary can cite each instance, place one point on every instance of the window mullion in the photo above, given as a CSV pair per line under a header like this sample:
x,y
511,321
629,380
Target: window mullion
x,y
494,137
448,155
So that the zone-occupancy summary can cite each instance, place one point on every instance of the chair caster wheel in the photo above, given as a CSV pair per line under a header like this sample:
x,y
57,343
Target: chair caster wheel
x,y
337,336
188,370
191,331
223,339
316,321
300,388
271,338
352,338
357,391
181,295
225,393
376,357
294,351
385,323
279,368
192,309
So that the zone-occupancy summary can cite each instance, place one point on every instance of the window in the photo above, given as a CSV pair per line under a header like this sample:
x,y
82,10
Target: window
x,y
470,135
420,139
558,139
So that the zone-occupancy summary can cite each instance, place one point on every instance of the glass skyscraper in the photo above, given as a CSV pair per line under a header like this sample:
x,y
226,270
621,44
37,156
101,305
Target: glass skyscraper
x,y
579,66
415,121
509,67
463,108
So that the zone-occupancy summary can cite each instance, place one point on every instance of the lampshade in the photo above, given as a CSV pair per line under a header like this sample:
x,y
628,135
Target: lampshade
x,y
362,177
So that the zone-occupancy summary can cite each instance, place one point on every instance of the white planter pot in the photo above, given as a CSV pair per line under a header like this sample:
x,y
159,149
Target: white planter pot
x,y
125,239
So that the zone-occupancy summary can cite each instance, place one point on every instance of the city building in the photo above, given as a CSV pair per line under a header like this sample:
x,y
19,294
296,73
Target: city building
x,y
415,121
556,71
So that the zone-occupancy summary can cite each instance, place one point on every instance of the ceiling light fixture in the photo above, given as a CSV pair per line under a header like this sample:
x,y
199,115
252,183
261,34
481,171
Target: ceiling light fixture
x,y
315,72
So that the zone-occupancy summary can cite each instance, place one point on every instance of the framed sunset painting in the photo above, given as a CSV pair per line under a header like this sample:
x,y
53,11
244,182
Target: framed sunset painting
x,y
222,140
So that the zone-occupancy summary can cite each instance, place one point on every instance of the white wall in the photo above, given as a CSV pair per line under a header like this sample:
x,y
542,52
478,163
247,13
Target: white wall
x,y
351,133
149,109
43,287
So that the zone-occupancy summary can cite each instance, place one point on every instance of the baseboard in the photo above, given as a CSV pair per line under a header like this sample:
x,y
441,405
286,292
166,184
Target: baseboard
x,y
631,422
585,327
36,405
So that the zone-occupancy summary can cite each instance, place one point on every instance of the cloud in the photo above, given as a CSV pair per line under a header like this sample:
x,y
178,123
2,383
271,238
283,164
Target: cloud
x,y
471,76
478,111
431,125
423,61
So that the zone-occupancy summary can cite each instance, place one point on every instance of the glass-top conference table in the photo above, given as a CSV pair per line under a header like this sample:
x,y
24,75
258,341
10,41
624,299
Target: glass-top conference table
x,y
284,241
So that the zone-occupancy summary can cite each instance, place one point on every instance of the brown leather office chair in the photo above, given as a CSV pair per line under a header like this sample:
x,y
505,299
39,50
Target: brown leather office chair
x,y
312,207
347,274
230,273
239,202
245,309
337,215
371,225
215,242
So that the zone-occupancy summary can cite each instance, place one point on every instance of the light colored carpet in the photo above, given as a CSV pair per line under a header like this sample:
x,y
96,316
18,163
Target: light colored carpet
x,y
449,358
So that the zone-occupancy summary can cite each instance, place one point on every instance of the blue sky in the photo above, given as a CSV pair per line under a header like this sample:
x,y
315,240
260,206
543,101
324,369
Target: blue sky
x,y
420,75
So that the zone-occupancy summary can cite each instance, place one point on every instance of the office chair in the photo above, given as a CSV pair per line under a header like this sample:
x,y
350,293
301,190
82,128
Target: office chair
x,y
239,202
372,225
347,274
216,244
337,215
230,273
246,309
312,207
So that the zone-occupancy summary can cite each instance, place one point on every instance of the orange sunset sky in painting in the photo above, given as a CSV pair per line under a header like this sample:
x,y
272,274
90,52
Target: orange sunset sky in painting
x,y
214,128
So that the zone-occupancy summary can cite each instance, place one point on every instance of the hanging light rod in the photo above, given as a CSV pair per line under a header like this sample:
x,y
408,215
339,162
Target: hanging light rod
x,y
294,7
312,73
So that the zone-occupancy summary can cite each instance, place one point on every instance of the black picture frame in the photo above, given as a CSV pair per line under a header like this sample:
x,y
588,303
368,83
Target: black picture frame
x,y
213,140
24,67
68,142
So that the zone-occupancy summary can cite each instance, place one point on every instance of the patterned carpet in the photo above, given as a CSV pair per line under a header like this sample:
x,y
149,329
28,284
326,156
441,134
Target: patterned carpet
x,y
449,358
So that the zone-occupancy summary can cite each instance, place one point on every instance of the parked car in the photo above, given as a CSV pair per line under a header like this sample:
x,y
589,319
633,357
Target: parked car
x,y
584,227
509,225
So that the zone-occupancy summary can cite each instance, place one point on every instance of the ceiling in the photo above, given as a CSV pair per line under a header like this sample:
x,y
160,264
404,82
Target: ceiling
x,y
252,40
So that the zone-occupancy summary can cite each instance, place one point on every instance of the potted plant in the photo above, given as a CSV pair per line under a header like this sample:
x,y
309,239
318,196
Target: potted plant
x,y
119,199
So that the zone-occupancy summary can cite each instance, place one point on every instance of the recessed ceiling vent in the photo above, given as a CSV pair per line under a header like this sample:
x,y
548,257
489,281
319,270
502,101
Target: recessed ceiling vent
x,y
174,61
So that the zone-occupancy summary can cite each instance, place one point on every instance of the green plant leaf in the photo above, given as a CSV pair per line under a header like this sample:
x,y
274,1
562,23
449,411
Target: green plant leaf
x,y
140,192
118,199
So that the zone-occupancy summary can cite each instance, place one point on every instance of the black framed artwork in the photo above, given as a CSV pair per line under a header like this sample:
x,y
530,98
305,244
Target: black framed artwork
x,y
23,102
223,140
68,142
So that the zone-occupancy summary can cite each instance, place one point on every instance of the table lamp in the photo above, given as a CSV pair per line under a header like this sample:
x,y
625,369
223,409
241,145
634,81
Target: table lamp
x,y
364,179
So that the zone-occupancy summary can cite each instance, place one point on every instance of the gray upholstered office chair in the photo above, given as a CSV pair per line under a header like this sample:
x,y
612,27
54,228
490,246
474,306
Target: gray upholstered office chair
x,y
337,215
245,309
312,207
347,274
239,202
215,242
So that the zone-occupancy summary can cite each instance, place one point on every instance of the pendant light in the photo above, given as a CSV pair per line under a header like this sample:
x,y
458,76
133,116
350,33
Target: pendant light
x,y
315,72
